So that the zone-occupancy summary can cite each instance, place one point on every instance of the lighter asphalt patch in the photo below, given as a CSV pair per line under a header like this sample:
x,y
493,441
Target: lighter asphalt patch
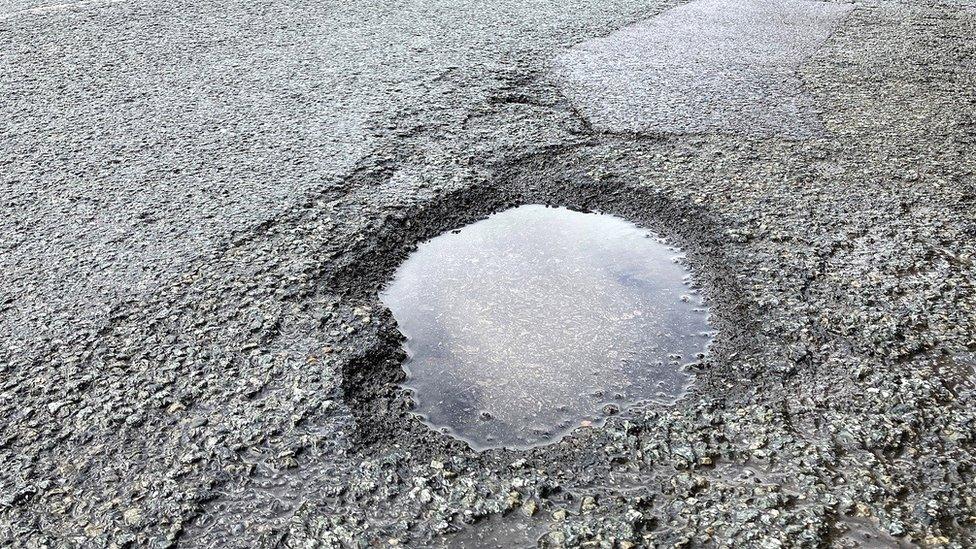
x,y
725,66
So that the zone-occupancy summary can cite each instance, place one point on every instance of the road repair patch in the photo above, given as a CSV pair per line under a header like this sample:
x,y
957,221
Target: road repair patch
x,y
709,66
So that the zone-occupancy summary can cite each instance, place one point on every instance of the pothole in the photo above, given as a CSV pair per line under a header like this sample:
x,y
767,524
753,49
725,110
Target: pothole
x,y
522,327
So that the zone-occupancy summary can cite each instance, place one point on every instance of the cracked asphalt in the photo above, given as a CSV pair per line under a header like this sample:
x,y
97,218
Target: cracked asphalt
x,y
201,202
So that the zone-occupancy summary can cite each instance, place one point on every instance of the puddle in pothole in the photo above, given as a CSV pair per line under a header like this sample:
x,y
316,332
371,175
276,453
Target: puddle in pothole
x,y
526,325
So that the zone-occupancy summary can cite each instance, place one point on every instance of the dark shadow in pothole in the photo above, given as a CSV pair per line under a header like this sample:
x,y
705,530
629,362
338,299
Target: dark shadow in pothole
x,y
371,379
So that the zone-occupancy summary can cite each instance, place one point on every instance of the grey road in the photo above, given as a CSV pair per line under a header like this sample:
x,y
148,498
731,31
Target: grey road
x,y
201,201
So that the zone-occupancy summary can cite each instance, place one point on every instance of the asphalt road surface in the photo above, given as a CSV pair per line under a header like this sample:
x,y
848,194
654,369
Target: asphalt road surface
x,y
201,201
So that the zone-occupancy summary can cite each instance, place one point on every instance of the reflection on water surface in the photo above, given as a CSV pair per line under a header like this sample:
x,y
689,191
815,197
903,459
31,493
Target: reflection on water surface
x,y
537,320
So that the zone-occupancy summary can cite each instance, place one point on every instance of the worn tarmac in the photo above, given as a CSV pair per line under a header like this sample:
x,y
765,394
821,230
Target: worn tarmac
x,y
201,202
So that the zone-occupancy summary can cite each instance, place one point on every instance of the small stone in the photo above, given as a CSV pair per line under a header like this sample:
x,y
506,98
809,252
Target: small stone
x,y
529,508
514,498
634,516
133,516
557,538
588,504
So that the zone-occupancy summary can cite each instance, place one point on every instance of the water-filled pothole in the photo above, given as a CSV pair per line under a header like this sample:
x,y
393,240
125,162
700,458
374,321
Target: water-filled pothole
x,y
523,326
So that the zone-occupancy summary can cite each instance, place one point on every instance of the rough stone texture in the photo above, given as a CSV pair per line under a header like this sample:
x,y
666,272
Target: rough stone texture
x,y
237,387
139,137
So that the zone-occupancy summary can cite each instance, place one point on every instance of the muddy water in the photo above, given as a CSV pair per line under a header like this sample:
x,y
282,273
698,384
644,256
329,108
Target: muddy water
x,y
524,326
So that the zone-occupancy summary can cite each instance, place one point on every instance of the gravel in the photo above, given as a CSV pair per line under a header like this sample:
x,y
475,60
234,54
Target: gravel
x,y
193,349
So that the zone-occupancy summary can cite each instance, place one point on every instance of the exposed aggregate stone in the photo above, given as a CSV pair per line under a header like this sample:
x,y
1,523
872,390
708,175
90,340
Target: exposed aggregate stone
x,y
251,399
